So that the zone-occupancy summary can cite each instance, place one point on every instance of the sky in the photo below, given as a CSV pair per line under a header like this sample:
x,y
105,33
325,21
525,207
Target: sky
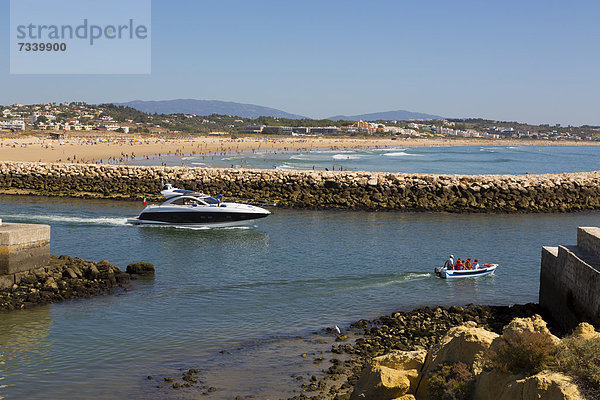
x,y
529,61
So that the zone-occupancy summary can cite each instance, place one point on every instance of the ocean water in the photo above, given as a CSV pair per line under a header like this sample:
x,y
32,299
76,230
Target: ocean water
x,y
256,293
434,160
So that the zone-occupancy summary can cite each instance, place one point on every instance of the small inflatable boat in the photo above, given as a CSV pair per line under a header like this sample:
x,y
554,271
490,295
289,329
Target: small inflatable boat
x,y
446,273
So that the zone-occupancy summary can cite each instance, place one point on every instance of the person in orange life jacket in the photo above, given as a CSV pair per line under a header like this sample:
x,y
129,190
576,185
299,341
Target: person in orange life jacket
x,y
476,265
459,265
468,264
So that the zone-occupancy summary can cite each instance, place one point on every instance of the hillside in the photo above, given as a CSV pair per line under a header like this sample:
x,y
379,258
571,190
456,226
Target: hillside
x,y
207,107
399,115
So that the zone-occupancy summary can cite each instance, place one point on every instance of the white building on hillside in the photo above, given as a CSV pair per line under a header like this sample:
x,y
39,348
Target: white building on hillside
x,y
49,116
14,125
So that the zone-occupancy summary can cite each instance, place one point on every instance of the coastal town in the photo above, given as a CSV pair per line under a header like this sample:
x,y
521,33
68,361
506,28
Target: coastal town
x,y
85,119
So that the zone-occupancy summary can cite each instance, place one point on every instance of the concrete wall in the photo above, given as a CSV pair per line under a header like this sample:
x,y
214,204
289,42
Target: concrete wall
x,y
23,247
315,189
570,280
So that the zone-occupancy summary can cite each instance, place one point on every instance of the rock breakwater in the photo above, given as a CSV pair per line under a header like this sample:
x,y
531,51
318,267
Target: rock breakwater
x,y
315,189
64,278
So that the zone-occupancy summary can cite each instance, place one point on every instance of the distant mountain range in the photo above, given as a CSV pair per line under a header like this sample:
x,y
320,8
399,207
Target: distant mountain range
x,y
399,115
208,107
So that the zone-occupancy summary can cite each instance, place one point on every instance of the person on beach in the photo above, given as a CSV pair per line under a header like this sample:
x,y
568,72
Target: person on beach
x,y
449,264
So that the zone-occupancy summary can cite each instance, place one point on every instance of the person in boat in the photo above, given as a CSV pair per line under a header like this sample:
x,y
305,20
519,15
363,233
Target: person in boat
x,y
449,264
459,265
468,264
476,265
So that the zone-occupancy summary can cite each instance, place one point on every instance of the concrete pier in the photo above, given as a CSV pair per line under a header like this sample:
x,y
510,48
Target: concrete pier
x,y
23,247
570,280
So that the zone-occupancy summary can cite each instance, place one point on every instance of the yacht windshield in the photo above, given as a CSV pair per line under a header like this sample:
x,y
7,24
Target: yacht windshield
x,y
187,201
211,200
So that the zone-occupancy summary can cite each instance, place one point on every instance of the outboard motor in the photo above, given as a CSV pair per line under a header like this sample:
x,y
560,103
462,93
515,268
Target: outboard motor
x,y
438,271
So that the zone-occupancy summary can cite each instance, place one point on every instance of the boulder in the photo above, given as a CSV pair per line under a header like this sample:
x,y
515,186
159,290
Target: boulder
x,y
51,284
513,333
141,268
517,326
69,273
494,385
585,331
461,344
6,281
92,272
390,376
406,397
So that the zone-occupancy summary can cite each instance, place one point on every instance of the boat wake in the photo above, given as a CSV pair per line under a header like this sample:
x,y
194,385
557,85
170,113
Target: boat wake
x,y
339,283
203,228
386,280
67,219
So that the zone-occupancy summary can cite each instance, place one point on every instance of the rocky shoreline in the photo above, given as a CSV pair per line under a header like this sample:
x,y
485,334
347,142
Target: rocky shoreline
x,y
411,332
315,189
67,278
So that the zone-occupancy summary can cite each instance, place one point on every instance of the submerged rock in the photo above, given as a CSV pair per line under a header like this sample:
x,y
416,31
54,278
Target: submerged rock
x,y
141,268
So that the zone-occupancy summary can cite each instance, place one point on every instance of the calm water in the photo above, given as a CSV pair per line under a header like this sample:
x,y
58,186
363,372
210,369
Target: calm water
x,y
435,160
293,273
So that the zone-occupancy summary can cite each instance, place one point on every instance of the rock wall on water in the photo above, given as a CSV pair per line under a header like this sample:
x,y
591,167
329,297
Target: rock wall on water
x,y
315,189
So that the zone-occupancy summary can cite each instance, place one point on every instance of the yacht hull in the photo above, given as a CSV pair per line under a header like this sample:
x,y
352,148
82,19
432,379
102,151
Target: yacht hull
x,y
136,221
230,214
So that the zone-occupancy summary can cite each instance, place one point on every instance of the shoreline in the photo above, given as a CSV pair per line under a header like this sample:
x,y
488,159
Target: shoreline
x,y
329,365
92,149
66,278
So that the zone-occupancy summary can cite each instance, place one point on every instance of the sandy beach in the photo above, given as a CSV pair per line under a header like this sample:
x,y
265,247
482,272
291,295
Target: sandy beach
x,y
92,149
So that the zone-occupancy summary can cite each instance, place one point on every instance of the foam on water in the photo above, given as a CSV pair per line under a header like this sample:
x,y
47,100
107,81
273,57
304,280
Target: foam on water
x,y
436,159
347,157
402,154
388,149
198,228
307,157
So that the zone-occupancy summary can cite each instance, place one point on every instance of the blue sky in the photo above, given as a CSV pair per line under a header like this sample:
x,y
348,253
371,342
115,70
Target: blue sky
x,y
531,61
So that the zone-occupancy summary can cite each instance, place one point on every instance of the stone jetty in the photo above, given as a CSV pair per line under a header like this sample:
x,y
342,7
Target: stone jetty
x,y
315,189
66,278
30,275
62,278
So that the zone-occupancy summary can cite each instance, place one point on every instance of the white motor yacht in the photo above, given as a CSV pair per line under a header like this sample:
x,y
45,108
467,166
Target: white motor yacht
x,y
189,208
